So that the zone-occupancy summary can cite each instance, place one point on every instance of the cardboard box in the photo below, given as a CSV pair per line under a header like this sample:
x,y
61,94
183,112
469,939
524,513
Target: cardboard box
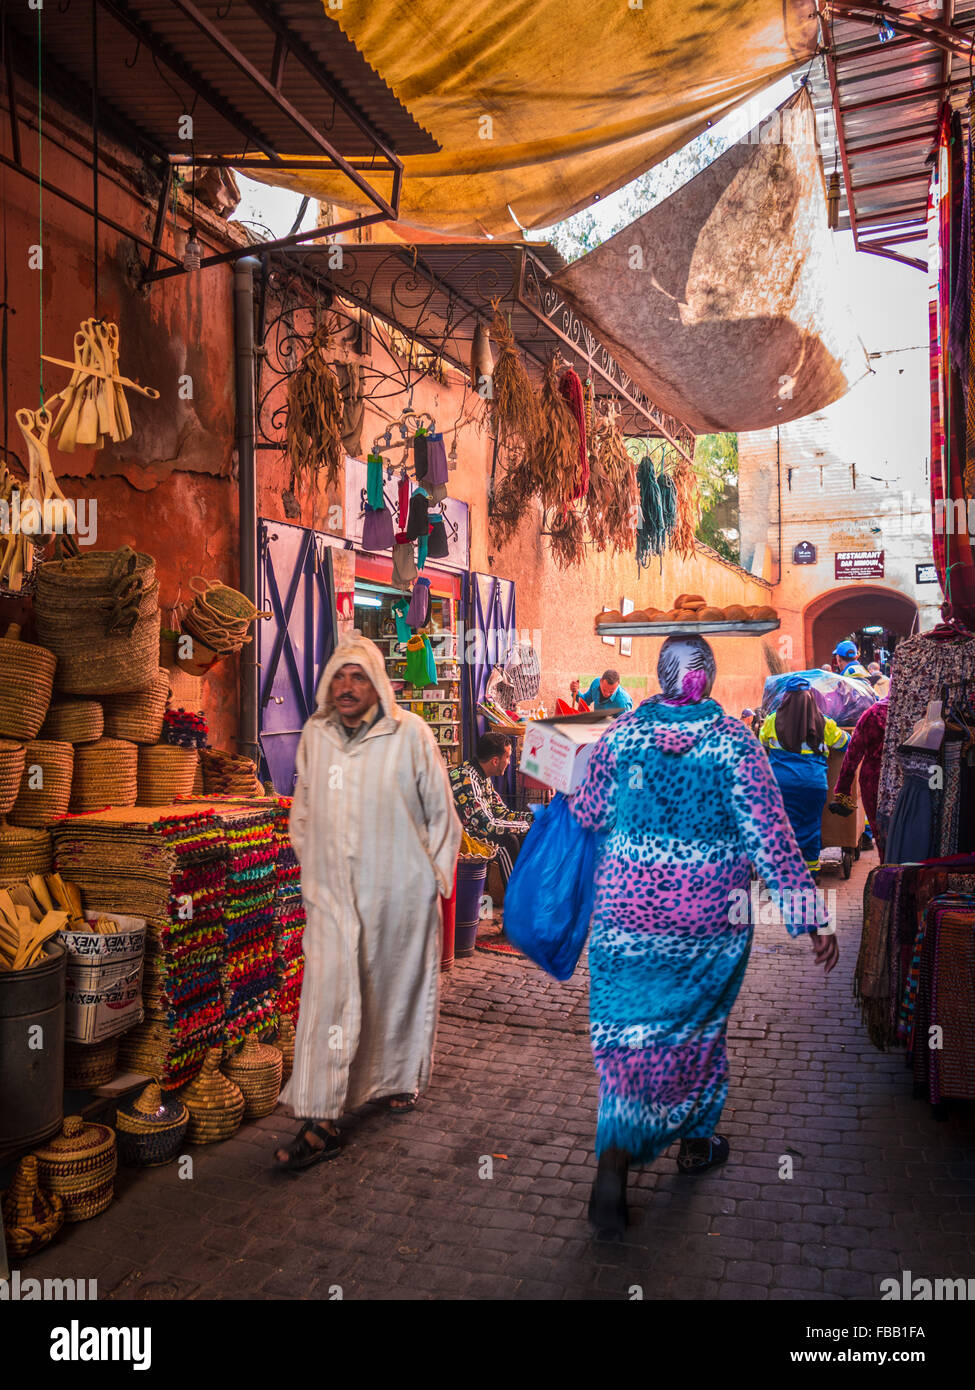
x,y
103,988
556,752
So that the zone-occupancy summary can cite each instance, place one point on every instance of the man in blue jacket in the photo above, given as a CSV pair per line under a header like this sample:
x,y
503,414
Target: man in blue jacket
x,y
605,693
847,660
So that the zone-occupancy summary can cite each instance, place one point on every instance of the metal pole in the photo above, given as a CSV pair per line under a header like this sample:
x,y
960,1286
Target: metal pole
x,y
244,269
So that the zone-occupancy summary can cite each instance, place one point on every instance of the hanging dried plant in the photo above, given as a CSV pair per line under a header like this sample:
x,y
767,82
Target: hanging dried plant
x,y
315,416
567,536
508,508
553,464
570,388
514,404
688,510
611,501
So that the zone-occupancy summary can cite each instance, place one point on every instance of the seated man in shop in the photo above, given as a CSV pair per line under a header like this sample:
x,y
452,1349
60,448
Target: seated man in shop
x,y
846,660
605,693
482,813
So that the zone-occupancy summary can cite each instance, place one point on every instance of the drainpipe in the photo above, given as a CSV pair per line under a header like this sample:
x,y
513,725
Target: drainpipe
x,y
778,476
246,491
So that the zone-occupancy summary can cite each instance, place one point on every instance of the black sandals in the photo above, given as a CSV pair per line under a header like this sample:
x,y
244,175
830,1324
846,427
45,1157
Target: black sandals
x,y
698,1155
301,1154
406,1102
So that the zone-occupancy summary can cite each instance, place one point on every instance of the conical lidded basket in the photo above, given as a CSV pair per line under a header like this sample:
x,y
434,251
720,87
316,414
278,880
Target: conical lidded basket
x,y
79,1166
256,1071
151,1128
285,1044
31,1218
215,1104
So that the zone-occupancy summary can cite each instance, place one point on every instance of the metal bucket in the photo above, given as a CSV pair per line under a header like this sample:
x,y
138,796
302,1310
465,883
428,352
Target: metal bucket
x,y
32,1048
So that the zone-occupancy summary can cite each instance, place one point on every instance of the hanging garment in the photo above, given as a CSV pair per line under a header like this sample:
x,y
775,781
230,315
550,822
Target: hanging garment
x,y
436,475
951,798
377,529
421,667
399,608
403,499
418,521
377,847
421,551
431,661
666,956
437,544
374,481
913,830
404,562
438,491
419,610
420,457
921,666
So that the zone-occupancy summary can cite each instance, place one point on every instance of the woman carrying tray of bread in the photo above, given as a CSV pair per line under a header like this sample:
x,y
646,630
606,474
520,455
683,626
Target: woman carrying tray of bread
x,y
684,800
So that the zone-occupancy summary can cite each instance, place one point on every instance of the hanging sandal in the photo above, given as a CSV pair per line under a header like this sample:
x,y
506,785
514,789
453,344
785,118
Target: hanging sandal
x,y
692,1162
608,1215
301,1154
407,1102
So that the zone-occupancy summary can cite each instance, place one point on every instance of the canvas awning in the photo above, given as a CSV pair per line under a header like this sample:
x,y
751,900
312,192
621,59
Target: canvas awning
x,y
722,302
544,106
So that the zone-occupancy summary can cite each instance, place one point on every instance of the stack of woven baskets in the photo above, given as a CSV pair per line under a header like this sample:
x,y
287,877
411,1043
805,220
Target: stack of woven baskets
x,y
229,774
26,682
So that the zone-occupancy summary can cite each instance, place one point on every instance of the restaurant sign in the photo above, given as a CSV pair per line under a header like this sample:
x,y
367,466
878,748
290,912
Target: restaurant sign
x,y
859,564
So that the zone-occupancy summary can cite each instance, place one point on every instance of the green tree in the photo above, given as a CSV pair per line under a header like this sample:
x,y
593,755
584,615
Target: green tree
x,y
716,466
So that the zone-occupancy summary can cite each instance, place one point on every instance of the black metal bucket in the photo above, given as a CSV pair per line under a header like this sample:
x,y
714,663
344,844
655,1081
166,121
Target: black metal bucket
x,y
32,1050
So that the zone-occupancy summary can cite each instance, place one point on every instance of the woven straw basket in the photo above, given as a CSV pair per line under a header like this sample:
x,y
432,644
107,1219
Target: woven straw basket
x,y
73,721
256,1071
31,1218
77,602
86,1067
24,851
138,716
165,772
105,774
12,758
79,1166
47,802
215,1104
285,1044
26,681
151,1128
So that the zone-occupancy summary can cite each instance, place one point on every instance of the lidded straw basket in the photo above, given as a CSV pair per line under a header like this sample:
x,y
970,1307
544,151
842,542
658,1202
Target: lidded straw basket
x,y
51,766
151,1128
256,1071
31,1218
26,681
79,1166
24,851
91,1065
215,1104
166,771
285,1044
138,716
73,721
12,758
99,614
105,774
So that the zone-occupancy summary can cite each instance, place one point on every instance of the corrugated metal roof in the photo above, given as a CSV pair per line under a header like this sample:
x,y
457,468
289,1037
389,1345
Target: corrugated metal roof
x,y
157,63
438,292
885,98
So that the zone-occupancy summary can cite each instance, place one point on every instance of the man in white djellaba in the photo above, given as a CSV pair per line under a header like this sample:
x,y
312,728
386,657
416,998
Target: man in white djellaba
x,y
375,831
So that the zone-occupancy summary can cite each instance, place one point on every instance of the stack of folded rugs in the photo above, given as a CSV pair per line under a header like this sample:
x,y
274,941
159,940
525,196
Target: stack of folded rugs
x,y
289,914
248,974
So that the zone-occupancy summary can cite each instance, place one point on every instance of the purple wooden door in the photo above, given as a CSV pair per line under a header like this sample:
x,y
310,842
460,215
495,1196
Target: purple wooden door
x,y
295,577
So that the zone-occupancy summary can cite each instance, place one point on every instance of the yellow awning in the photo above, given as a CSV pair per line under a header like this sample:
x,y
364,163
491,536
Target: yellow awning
x,y
542,106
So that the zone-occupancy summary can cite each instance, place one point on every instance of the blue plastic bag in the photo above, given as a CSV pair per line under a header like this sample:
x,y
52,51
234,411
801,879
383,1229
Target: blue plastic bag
x,y
548,900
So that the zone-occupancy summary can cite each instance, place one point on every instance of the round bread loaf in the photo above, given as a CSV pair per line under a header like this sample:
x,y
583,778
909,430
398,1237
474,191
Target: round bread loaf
x,y
613,615
710,615
735,613
689,600
766,615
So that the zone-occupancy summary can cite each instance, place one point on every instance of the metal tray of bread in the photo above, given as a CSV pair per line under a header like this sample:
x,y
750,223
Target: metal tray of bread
x,y
671,629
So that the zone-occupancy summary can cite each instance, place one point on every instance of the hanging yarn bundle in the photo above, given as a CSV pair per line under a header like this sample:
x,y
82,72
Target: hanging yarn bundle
x,y
651,536
570,388
315,415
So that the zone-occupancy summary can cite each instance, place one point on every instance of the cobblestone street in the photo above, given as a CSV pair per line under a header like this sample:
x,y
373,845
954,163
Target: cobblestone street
x,y
879,1185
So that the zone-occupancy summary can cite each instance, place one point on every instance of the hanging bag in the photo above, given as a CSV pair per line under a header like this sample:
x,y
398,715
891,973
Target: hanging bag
x,y
431,662
420,465
374,482
404,562
436,461
419,610
549,898
418,522
416,662
377,529
400,608
437,545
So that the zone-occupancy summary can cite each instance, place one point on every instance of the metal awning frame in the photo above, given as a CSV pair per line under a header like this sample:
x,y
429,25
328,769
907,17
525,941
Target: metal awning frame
x,y
398,288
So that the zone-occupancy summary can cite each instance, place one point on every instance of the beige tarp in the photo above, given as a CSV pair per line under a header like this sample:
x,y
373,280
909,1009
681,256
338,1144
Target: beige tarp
x,y
722,301
544,104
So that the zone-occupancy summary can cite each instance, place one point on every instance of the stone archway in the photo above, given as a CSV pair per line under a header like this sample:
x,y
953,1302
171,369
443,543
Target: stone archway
x,y
832,616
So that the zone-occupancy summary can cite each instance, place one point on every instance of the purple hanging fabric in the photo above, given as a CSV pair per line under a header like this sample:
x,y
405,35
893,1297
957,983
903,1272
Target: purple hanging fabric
x,y
419,609
377,529
436,460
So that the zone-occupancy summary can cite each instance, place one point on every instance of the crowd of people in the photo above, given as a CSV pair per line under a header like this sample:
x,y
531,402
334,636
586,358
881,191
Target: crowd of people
x,y
377,823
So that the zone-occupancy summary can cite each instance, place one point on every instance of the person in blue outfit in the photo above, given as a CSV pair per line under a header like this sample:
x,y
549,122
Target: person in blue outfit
x,y
847,660
799,738
605,693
